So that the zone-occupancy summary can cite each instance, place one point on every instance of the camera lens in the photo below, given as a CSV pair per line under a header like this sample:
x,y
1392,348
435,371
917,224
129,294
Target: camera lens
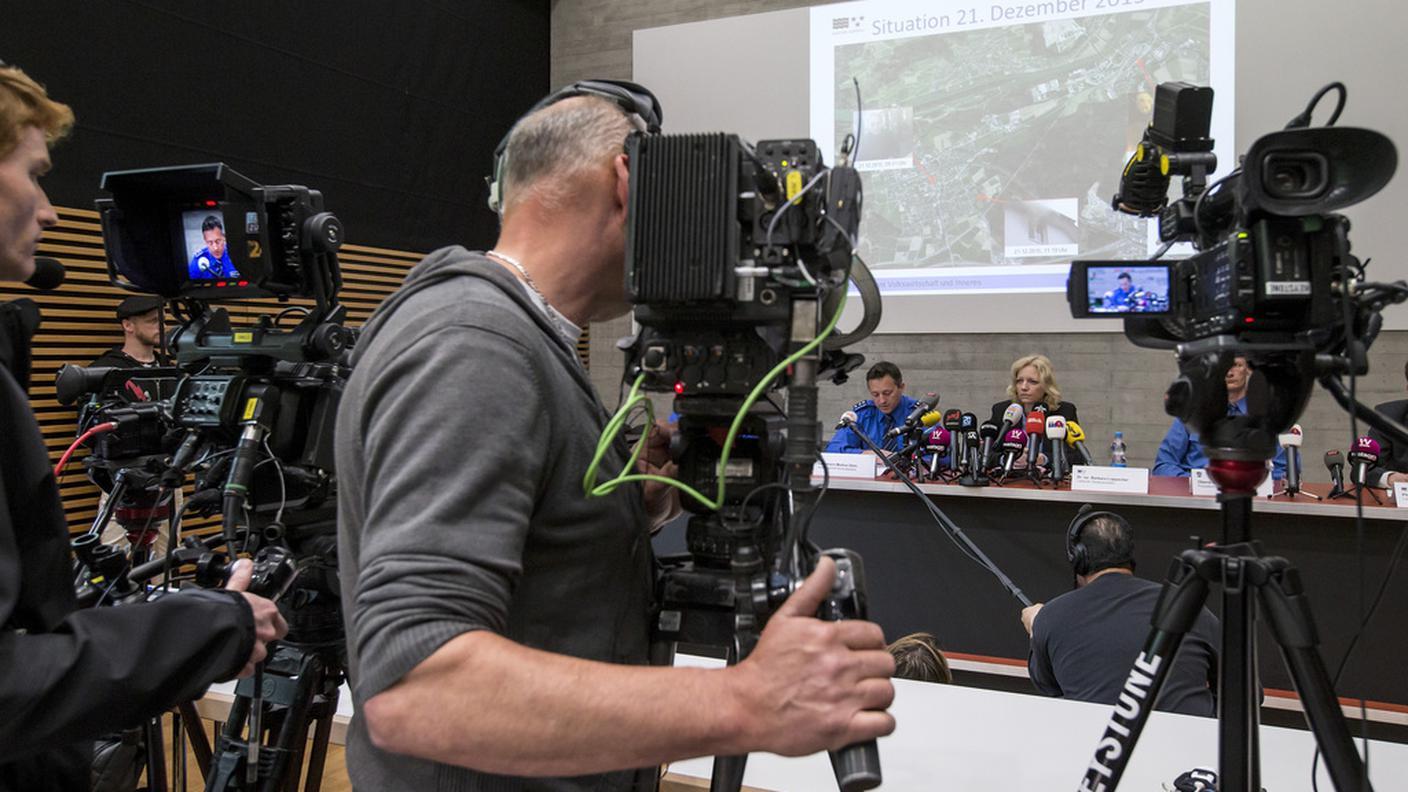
x,y
1297,175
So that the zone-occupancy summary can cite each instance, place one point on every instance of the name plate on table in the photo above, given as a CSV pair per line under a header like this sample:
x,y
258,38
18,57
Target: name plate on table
x,y
1199,483
866,466
1096,478
1400,494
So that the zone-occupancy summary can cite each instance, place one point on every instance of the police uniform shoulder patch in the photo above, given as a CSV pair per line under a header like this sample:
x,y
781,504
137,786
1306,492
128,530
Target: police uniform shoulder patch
x,y
863,404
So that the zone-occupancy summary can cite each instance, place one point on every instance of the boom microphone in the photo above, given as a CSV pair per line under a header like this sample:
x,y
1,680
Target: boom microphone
x,y
1291,441
1056,433
1075,438
48,274
1012,444
848,419
1335,464
1364,454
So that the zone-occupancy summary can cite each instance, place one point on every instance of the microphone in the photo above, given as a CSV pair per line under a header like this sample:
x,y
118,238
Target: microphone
x,y
848,418
1075,438
1036,427
1056,433
968,427
1012,444
953,419
930,418
989,433
970,439
1291,441
1363,454
1041,408
921,406
48,274
1011,417
937,441
1335,464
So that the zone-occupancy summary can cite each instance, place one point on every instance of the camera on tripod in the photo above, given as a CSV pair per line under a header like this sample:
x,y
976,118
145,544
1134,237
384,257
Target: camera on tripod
x,y
1273,278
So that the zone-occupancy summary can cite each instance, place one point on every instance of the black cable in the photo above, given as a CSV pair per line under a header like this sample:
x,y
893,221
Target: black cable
x,y
1303,120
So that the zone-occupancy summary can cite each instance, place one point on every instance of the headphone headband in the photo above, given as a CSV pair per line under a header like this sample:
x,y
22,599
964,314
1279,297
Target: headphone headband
x,y
1076,553
635,100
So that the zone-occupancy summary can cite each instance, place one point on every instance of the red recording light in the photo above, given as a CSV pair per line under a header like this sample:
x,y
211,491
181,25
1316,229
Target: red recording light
x,y
1250,319
679,387
212,203
243,283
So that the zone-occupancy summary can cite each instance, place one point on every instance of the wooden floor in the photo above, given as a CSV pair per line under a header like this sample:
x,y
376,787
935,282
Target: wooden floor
x,y
334,770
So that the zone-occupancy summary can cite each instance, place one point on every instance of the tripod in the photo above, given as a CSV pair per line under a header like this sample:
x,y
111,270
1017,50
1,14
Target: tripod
x,y
1237,565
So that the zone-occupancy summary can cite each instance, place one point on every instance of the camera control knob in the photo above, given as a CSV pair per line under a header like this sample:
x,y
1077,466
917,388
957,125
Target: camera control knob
x,y
323,232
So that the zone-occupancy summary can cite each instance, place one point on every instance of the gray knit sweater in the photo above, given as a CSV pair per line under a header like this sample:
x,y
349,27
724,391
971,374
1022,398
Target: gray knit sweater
x,y
462,439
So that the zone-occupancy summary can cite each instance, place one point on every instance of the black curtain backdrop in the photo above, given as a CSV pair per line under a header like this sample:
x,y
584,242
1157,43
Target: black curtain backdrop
x,y
391,109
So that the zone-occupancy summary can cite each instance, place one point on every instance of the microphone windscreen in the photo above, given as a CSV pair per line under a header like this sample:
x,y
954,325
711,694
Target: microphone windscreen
x,y
1333,459
1291,439
1013,414
1036,424
1015,439
989,429
969,421
48,274
939,437
849,416
1055,427
1074,434
953,418
930,418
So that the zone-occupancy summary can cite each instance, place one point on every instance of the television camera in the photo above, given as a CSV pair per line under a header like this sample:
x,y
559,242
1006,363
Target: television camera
x,y
1273,280
737,261
249,410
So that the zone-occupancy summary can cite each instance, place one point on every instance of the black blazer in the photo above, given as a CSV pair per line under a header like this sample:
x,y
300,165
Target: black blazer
x,y
1393,457
1065,409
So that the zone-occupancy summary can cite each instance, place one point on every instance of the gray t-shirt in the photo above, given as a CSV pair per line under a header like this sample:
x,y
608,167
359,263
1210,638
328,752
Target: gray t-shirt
x,y
463,436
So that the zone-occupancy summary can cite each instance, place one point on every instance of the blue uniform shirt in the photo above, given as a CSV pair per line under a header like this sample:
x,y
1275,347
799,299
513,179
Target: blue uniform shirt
x,y
1180,451
1119,298
874,423
204,265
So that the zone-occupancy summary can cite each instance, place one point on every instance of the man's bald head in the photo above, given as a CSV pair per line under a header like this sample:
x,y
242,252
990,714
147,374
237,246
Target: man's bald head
x,y
551,149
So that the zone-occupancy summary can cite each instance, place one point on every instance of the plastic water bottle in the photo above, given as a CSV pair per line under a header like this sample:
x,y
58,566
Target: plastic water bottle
x,y
1117,452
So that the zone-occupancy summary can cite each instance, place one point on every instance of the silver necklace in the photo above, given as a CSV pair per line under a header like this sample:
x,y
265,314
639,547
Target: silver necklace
x,y
528,279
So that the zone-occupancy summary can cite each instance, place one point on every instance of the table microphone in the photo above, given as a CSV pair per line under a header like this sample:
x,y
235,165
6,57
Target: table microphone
x,y
48,274
937,440
921,406
989,434
1291,441
848,418
1364,454
1012,444
1075,438
1011,417
970,439
1036,427
1335,464
1056,433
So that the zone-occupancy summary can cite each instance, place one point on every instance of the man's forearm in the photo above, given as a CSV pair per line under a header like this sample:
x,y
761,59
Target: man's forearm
x,y
485,702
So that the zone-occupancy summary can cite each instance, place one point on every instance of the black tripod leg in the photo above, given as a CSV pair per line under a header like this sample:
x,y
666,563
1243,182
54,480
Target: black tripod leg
x,y
1182,598
728,773
1239,714
1288,614
195,734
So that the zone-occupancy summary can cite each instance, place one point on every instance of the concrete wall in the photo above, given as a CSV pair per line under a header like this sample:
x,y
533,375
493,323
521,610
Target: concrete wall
x,y
1115,384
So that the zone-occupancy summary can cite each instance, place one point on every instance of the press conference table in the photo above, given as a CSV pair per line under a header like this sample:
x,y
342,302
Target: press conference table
x,y
919,581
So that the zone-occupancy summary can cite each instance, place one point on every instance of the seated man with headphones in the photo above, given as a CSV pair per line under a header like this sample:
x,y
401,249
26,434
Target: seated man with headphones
x,y
1085,641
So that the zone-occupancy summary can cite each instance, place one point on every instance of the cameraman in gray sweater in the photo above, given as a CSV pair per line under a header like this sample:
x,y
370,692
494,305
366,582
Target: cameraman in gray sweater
x,y
498,619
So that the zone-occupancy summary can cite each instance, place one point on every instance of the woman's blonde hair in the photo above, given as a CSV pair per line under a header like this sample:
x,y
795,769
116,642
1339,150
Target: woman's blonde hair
x,y
1044,371
23,103
917,657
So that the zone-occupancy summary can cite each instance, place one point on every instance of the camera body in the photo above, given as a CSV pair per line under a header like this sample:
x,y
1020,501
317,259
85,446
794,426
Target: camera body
x,y
721,237
1270,248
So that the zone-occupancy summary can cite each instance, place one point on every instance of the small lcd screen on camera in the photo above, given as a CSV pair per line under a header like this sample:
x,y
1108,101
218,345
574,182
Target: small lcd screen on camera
x,y
1117,288
207,248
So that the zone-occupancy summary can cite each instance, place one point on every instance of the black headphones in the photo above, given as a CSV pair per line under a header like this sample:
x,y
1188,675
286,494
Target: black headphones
x,y
635,100
1076,553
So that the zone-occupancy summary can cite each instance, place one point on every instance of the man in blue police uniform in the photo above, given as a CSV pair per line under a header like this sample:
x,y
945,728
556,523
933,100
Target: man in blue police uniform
x,y
1123,296
1180,451
213,261
886,408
